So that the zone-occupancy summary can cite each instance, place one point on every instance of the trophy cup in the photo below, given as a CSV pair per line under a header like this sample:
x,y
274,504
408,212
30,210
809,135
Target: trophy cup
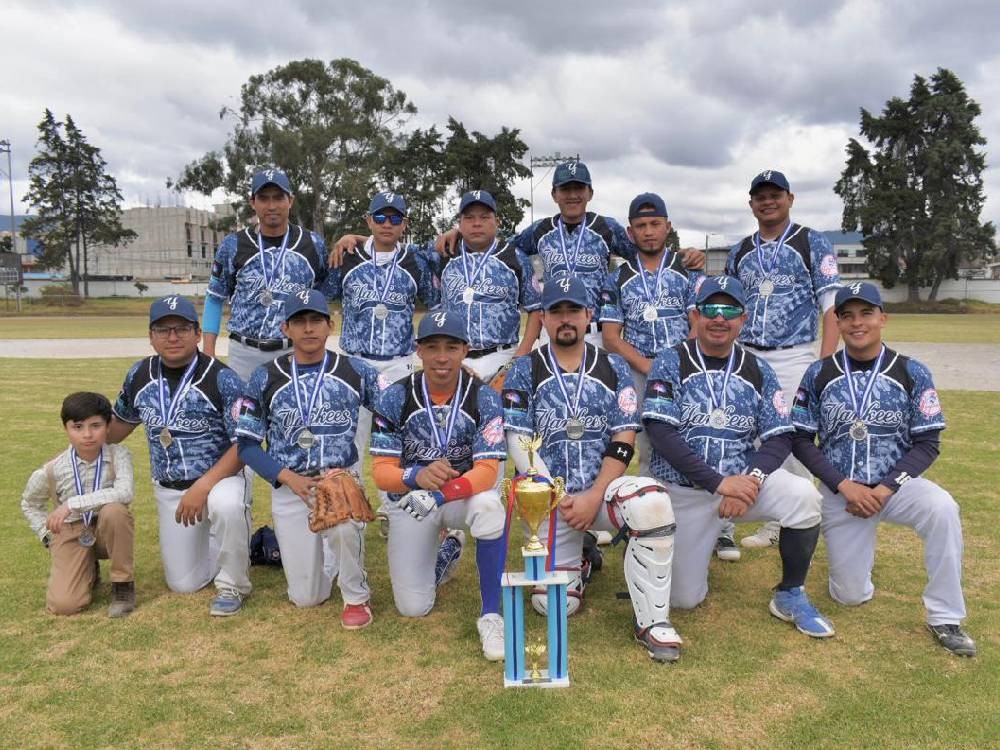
x,y
534,498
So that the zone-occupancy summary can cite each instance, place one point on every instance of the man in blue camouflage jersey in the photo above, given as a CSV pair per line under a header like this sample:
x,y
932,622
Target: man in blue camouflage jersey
x,y
708,403
305,405
255,270
189,403
878,419
790,276
646,302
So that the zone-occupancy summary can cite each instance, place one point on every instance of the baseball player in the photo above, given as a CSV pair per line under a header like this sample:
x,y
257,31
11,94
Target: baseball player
x,y
582,403
437,442
790,276
646,302
879,422
305,404
255,270
188,403
707,401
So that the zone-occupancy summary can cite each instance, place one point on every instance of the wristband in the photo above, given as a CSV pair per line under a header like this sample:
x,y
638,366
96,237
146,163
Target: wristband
x,y
757,474
901,479
410,477
456,489
620,452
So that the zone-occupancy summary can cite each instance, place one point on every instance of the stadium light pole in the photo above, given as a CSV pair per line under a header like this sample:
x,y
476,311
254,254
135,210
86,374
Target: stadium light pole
x,y
5,146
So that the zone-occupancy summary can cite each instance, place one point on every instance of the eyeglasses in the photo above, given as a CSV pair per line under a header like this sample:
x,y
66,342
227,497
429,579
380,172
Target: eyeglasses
x,y
394,219
728,312
163,332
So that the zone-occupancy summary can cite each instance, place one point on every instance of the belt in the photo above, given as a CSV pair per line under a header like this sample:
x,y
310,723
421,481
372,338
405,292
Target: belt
x,y
374,357
180,484
760,348
491,350
265,345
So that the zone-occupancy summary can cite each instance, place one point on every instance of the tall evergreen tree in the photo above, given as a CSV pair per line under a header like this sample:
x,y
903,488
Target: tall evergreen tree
x,y
917,192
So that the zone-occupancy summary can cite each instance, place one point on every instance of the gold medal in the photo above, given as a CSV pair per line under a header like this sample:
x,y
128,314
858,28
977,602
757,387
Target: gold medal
x,y
166,439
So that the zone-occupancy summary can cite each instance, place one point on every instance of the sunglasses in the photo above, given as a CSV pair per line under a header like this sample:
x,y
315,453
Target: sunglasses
x,y
394,219
728,312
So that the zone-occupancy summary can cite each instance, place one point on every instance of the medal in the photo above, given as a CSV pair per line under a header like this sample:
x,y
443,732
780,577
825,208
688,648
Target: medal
x,y
446,415
383,281
858,430
766,288
306,439
475,270
86,538
574,428
649,314
717,407
571,263
469,295
168,410
267,296
166,439
442,415
574,424
381,311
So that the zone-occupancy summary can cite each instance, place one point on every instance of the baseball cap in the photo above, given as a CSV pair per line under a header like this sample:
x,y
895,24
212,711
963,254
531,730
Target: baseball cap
x,y
477,196
770,177
387,199
862,290
647,199
571,171
728,285
306,299
266,177
442,324
172,305
564,289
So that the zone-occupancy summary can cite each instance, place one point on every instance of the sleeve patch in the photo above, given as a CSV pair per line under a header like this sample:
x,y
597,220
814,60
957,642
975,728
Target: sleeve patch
x,y
383,381
930,405
493,432
627,401
660,389
780,403
828,266
515,400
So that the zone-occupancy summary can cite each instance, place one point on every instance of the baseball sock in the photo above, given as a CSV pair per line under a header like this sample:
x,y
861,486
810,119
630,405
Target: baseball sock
x,y
796,547
489,561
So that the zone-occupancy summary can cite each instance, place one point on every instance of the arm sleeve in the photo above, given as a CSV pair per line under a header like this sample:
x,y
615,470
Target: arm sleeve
x,y
121,491
211,319
805,449
667,441
35,500
771,453
388,474
925,449
253,455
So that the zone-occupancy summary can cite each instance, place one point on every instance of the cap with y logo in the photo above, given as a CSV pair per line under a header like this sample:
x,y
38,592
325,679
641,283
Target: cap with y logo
x,y
477,196
728,285
571,171
387,199
266,177
172,305
442,324
306,299
770,177
862,290
564,289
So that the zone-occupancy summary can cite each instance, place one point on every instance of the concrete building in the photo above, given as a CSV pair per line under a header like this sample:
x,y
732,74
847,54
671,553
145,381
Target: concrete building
x,y
850,255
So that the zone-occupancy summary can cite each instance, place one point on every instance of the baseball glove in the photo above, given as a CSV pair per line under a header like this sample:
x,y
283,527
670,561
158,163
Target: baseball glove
x,y
338,498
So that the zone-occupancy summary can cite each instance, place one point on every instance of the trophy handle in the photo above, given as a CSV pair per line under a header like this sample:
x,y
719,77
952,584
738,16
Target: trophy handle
x,y
558,491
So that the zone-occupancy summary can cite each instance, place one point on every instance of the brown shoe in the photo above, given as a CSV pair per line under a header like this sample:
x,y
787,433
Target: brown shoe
x,y
122,599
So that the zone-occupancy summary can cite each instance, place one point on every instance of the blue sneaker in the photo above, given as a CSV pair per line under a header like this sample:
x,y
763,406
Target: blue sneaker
x,y
448,556
227,602
794,606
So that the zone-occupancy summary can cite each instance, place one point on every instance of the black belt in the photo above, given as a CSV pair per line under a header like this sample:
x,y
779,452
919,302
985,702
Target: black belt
x,y
375,357
265,345
486,352
760,348
180,484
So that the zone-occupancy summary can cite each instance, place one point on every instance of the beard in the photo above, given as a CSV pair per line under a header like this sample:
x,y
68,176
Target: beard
x,y
566,336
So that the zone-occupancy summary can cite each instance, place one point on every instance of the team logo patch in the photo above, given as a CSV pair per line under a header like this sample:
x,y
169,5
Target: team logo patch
x,y
780,403
627,400
380,423
237,408
698,283
660,389
493,431
930,405
383,381
828,266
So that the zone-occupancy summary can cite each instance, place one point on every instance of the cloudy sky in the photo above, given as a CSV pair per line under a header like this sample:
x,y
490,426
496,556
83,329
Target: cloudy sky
x,y
689,99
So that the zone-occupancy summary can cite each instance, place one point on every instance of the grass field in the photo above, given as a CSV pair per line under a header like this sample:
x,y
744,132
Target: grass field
x,y
277,676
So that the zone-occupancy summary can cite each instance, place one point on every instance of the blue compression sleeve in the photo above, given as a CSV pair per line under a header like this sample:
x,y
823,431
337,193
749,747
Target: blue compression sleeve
x,y
490,555
211,319
254,456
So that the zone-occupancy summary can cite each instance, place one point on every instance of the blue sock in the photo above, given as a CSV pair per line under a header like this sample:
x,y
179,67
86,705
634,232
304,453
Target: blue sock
x,y
489,560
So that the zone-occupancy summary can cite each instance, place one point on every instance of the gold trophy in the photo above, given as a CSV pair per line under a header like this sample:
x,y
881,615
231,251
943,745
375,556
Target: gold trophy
x,y
534,499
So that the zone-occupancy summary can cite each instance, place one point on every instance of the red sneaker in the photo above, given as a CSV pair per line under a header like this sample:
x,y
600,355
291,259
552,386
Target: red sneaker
x,y
356,616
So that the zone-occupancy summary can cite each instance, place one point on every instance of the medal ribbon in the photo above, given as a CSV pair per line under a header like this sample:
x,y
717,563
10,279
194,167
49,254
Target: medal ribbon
x,y
759,254
88,516
571,264
279,261
307,413
860,407
167,413
721,401
659,279
441,439
377,272
574,407
477,268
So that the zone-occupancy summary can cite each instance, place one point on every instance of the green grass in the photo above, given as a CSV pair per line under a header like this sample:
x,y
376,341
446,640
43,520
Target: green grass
x,y
979,328
170,676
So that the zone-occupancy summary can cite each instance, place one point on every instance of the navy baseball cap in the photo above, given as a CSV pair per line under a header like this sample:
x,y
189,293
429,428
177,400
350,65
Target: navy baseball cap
x,y
728,285
571,171
477,196
306,299
266,177
172,305
647,199
770,177
387,199
862,290
564,289
442,324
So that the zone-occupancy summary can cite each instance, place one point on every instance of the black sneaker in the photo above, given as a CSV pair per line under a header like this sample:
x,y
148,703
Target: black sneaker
x,y
726,549
592,553
953,638
122,599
